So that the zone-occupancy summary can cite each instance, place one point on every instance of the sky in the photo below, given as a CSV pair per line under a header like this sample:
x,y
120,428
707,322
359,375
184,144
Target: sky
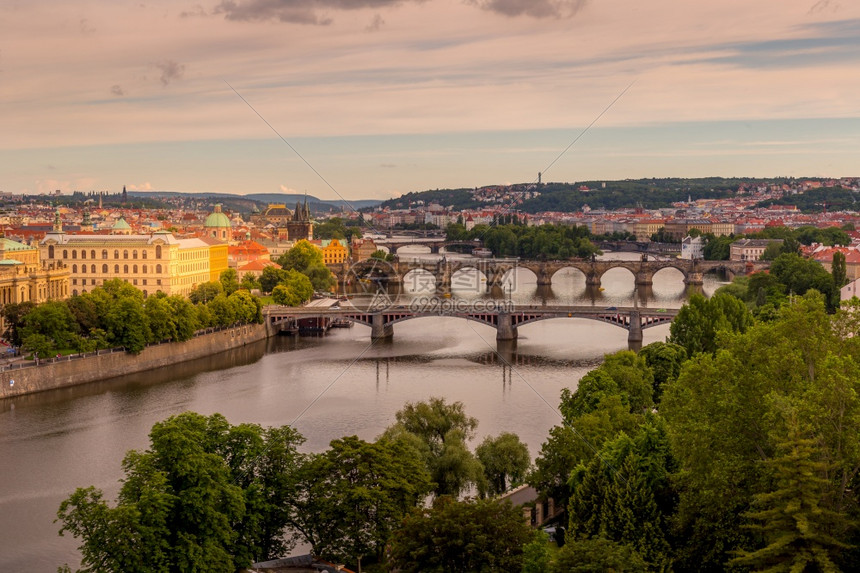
x,y
370,99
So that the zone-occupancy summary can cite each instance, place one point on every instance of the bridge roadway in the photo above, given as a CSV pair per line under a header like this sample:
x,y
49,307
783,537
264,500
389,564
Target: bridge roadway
x,y
504,316
495,270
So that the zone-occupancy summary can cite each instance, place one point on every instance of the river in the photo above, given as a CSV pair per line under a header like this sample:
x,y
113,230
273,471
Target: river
x,y
341,384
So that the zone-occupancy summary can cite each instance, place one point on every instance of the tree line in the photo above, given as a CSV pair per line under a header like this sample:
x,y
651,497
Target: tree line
x,y
529,242
117,315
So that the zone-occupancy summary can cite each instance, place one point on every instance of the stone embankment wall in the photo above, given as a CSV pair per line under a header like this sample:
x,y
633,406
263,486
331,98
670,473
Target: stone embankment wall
x,y
71,371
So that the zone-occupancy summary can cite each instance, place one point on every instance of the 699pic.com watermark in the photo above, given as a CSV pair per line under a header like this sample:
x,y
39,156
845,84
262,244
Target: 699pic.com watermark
x,y
441,305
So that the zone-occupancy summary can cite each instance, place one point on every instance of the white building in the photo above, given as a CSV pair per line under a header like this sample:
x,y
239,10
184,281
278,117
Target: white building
x,y
692,248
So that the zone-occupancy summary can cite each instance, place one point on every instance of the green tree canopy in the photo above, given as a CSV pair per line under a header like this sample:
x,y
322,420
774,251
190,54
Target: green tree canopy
x,y
461,537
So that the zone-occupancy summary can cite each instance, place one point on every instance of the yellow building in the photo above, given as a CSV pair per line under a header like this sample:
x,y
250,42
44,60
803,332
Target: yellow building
x,y
23,276
219,260
334,253
152,263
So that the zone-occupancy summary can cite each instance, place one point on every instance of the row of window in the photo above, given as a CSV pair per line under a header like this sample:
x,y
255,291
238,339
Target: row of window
x,y
92,253
115,269
93,281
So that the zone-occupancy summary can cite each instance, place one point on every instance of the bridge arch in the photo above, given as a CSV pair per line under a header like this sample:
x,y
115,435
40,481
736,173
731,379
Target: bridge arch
x,y
568,271
415,249
470,278
419,280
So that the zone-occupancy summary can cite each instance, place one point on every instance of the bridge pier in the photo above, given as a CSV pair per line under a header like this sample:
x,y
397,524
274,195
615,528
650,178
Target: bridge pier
x,y
694,278
644,278
544,278
634,338
592,279
378,329
505,329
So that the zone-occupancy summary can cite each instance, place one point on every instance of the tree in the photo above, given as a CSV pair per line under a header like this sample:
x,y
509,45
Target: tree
x,y
461,536
229,281
270,278
159,317
665,360
505,460
51,319
624,494
320,276
354,495
204,497
800,275
798,529
300,257
126,324
698,322
441,431
597,555
250,282
838,270
205,292
13,314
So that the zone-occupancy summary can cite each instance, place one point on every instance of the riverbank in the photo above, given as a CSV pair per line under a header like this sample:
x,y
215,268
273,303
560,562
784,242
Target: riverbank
x,y
72,371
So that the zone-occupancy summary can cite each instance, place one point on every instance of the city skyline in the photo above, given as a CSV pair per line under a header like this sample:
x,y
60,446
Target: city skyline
x,y
384,97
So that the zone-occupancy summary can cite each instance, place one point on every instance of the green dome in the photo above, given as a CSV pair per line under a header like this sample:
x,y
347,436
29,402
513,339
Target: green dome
x,y
121,225
217,219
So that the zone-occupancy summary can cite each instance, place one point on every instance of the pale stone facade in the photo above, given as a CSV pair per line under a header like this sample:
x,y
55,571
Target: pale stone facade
x,y
152,263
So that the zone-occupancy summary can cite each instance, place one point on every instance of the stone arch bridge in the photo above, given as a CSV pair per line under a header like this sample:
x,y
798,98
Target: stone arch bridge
x,y
495,270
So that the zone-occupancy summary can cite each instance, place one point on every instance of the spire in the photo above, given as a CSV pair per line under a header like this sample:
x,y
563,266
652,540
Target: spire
x,y
58,225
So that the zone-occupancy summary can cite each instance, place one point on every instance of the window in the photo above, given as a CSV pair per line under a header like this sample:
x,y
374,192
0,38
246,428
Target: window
x,y
144,281
104,269
125,254
65,254
125,269
84,269
158,270
158,252
135,282
134,269
93,269
144,266
74,254
116,254
143,255
75,269
104,254
158,282
116,269
93,254
83,253
51,252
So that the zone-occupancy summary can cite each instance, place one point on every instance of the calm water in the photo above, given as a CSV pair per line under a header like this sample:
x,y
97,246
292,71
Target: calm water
x,y
328,387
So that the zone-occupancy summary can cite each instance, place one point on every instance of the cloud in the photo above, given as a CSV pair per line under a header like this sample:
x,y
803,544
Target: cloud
x,y
196,10
142,187
824,6
170,71
85,27
285,189
117,90
313,11
375,24
533,8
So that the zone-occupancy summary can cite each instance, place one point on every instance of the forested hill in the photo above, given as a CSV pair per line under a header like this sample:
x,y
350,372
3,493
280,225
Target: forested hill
x,y
647,193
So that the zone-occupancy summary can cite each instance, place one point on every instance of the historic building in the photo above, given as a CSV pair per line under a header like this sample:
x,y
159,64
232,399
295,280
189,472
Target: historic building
x,y
217,225
152,263
334,252
24,277
362,249
286,225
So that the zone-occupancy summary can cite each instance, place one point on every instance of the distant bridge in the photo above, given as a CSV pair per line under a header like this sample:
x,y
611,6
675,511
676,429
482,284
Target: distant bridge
x,y
496,270
501,315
